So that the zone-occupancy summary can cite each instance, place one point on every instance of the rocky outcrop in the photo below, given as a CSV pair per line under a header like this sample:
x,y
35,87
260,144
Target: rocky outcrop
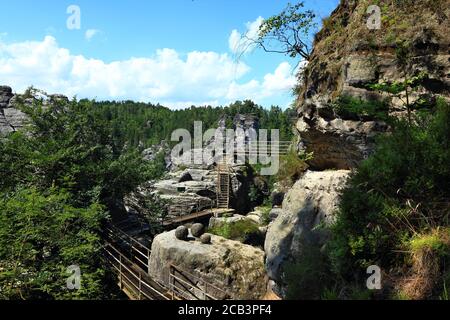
x,y
336,143
310,203
217,222
348,56
11,119
163,148
235,268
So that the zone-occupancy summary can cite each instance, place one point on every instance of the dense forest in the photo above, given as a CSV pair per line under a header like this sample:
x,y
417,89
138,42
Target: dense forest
x,y
67,173
143,125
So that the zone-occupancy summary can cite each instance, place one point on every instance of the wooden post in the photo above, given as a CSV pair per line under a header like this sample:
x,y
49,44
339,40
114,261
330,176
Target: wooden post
x,y
171,283
140,285
120,271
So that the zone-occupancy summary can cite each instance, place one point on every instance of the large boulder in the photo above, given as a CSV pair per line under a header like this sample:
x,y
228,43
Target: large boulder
x,y
235,268
197,230
311,202
181,233
217,222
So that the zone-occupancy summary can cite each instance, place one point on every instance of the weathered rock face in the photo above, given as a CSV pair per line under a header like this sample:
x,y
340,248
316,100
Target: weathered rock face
x,y
217,222
236,268
336,143
311,202
348,56
5,96
150,154
247,123
11,119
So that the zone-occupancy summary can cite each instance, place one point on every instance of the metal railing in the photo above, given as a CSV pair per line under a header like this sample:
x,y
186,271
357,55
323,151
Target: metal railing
x,y
136,251
190,287
133,281
137,283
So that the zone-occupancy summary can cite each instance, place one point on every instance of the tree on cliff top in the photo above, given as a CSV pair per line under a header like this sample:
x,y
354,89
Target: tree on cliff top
x,y
288,32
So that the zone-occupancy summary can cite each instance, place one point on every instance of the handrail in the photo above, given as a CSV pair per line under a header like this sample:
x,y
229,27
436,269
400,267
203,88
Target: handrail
x,y
138,275
140,254
189,276
175,288
139,283
129,239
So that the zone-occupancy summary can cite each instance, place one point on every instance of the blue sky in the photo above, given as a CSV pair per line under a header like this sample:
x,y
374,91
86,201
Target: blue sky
x,y
176,52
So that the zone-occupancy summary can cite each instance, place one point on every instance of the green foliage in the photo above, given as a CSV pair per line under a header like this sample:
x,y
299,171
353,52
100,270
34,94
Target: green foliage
x,y
71,146
308,278
291,30
143,125
399,192
398,87
293,165
41,235
243,230
266,214
57,181
436,241
348,107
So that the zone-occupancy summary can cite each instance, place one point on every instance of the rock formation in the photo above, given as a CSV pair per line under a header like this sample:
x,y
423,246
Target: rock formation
x,y
310,203
235,268
346,59
11,119
348,56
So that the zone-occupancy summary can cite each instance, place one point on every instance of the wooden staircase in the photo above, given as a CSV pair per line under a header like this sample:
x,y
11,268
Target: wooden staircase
x,y
223,185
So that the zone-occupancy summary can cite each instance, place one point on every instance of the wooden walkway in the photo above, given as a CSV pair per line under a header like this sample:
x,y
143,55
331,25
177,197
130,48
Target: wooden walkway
x,y
128,259
132,280
214,212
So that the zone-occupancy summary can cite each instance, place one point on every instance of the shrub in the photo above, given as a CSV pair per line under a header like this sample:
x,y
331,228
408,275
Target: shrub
x,y
348,107
309,277
397,194
427,252
292,166
42,234
245,231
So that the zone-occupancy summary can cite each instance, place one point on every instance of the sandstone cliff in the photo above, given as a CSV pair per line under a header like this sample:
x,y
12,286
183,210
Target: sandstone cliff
x,y
346,59
348,56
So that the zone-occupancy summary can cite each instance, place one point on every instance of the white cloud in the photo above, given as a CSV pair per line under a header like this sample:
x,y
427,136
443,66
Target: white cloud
x,y
91,33
280,82
282,79
197,78
241,44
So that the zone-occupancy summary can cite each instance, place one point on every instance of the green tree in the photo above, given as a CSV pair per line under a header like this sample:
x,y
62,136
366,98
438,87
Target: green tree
x,y
288,32
41,235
